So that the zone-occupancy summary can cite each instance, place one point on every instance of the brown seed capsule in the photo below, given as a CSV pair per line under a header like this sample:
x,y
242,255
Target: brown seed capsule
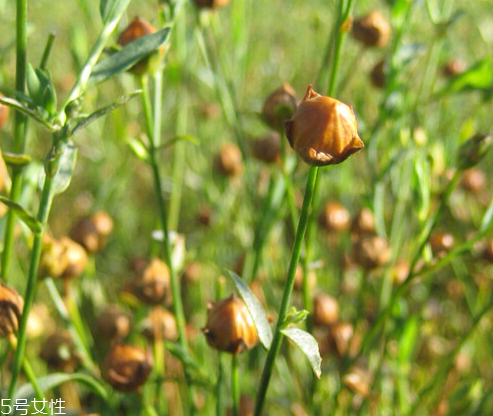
x,y
488,251
377,75
298,279
59,353
340,335
268,148
4,113
358,380
11,306
92,232
192,272
453,68
103,223
372,30
152,286
211,4
473,181
280,106
230,326
75,258
246,407
325,310
204,216
441,243
114,323
160,325
138,28
228,161
400,272
363,223
127,367
371,252
323,131
53,262
335,217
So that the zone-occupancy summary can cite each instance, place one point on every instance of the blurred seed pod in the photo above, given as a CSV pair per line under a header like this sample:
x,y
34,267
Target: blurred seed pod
x,y
400,272
488,251
230,326
325,310
364,222
372,30
204,216
441,243
298,279
59,353
152,286
279,106
335,217
140,27
268,148
453,68
228,160
53,262
377,74
92,232
39,321
75,258
160,325
192,272
358,380
4,113
473,181
371,252
323,131
11,306
114,323
340,335
245,408
127,367
442,408
210,111
211,4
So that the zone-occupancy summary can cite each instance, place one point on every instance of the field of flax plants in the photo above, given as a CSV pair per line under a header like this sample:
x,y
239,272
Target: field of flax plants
x,y
214,207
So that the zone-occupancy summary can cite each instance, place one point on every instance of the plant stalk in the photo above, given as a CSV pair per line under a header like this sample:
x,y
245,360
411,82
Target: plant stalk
x,y
235,385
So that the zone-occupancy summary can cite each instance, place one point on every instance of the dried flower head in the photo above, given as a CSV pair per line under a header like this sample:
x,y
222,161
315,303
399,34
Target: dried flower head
x,y
372,30
160,325
127,367
371,252
335,217
228,161
230,326
152,285
268,148
280,106
114,323
323,130
11,306
58,352
4,113
325,310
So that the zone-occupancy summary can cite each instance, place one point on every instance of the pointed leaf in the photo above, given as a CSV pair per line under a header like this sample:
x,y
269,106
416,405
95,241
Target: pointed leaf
x,y
17,105
308,346
26,217
128,56
253,305
63,175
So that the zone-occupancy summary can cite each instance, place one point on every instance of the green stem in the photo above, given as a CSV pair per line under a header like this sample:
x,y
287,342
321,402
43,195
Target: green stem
x,y
288,289
47,50
235,385
20,127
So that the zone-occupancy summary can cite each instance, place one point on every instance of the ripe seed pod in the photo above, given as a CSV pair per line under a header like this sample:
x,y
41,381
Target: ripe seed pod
x,y
140,27
280,106
11,306
364,222
298,279
230,326
453,68
268,148
114,323
358,380
473,181
211,4
371,252
92,232
325,310
53,262
152,286
335,217
228,161
400,272
441,243
340,335
377,74
323,130
4,113
59,353
75,258
127,367
192,272
160,325
372,30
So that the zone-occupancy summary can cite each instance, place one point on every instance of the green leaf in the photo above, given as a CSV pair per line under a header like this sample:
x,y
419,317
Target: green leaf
x,y
138,148
128,56
111,9
17,105
51,381
104,7
26,217
33,85
258,315
13,159
399,12
103,111
477,77
308,346
408,341
63,175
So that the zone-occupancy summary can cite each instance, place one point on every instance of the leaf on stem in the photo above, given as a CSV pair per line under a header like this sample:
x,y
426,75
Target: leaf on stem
x,y
308,346
14,159
35,115
26,217
63,176
253,305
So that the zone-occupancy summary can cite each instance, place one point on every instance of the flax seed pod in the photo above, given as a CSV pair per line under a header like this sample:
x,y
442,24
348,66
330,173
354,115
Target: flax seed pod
x,y
11,306
323,131
372,30
335,217
279,106
160,325
363,223
92,232
58,352
4,113
75,258
339,338
377,74
228,161
152,285
473,181
358,380
114,323
488,251
441,242
325,310
230,327
268,148
371,252
53,262
453,68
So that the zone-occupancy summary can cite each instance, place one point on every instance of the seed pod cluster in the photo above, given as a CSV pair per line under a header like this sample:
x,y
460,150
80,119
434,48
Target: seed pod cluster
x,y
59,353
152,283
279,106
229,161
114,323
11,306
372,30
323,130
230,327
92,232
127,367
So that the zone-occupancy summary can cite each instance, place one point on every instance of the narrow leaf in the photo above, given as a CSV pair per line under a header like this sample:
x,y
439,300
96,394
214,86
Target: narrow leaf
x,y
128,56
258,315
27,218
17,105
13,159
63,175
308,346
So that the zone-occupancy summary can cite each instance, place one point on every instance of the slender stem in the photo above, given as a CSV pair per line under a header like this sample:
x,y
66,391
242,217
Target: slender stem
x,y
288,289
47,50
235,385
20,127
